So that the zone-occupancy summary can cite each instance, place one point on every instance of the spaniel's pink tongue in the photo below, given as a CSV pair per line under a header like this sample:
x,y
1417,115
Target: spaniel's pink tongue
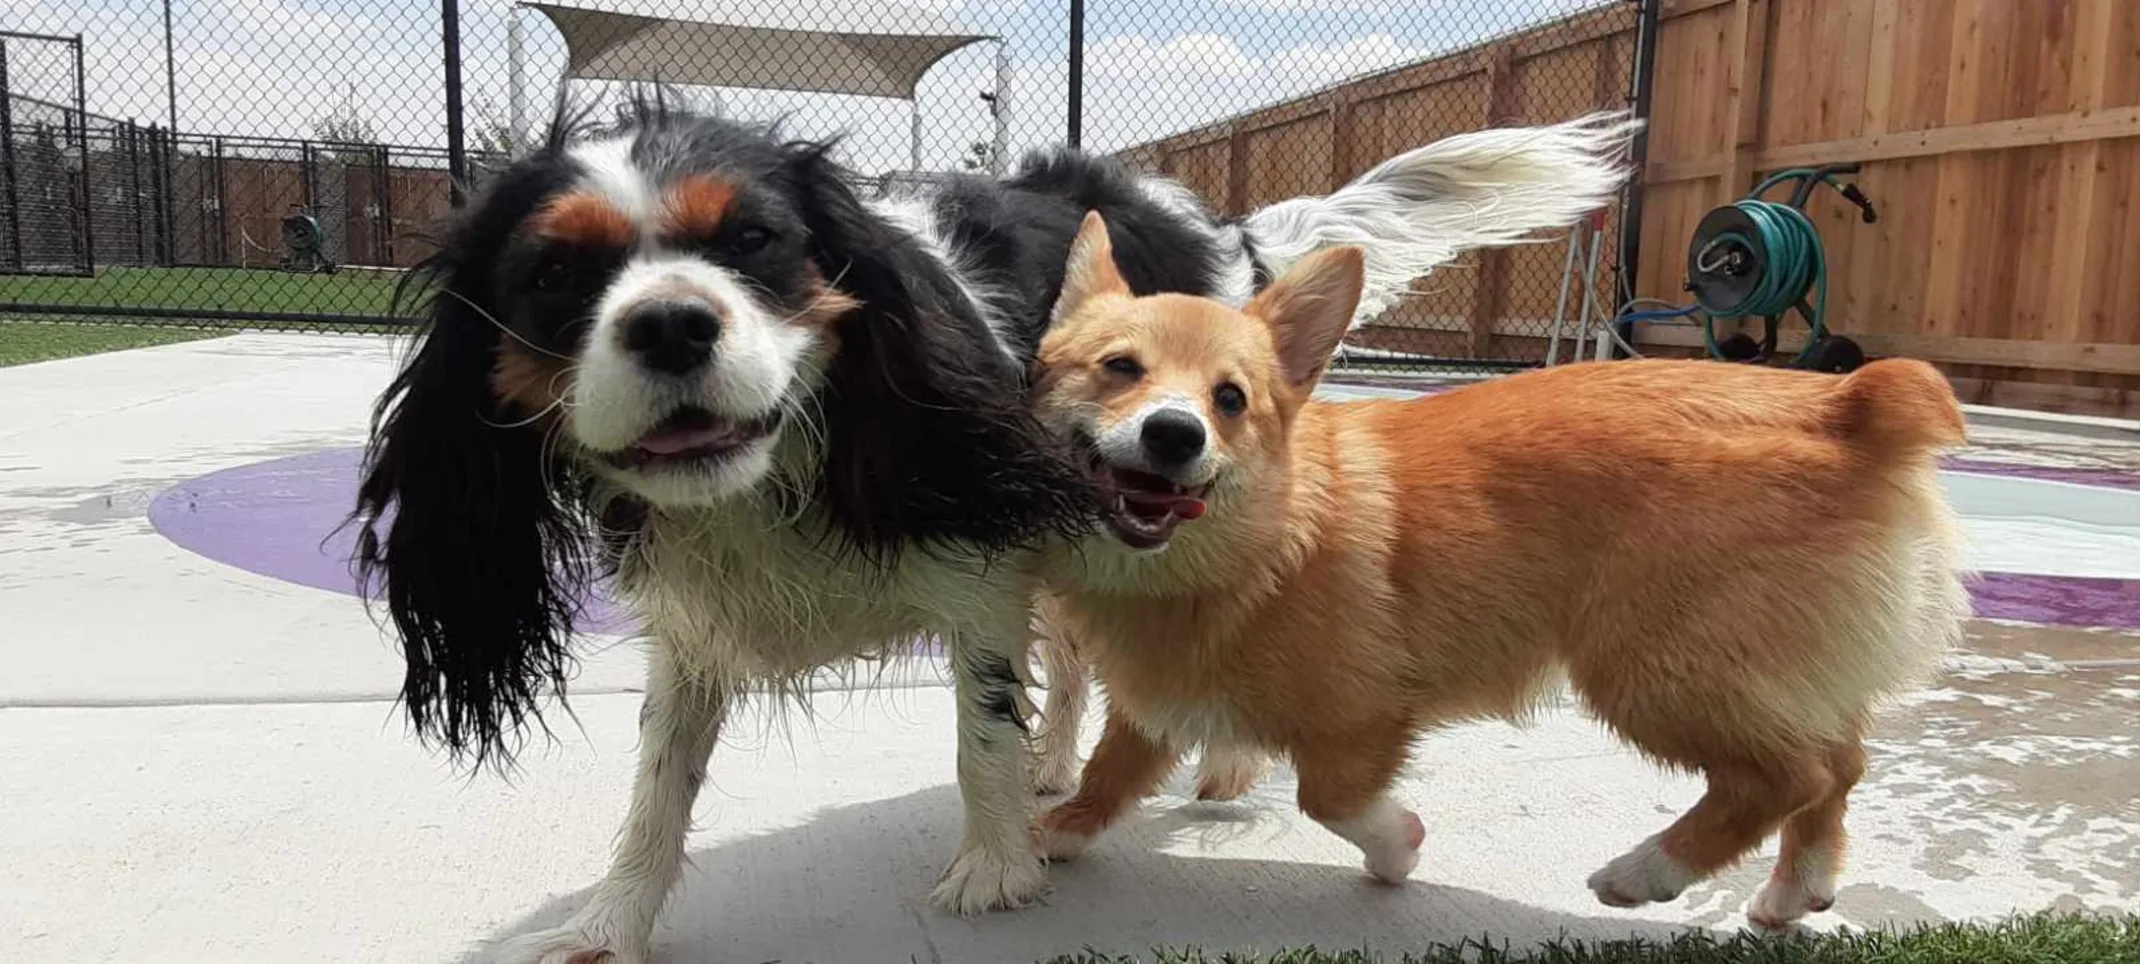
x,y
672,441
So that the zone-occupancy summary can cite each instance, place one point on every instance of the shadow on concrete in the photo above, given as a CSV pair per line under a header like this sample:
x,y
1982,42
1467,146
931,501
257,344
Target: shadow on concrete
x,y
853,884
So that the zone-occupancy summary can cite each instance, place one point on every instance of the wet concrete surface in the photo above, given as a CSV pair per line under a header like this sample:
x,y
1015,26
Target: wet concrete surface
x,y
2028,750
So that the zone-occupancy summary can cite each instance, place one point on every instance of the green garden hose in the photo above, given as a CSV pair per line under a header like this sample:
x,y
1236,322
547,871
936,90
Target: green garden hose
x,y
1796,263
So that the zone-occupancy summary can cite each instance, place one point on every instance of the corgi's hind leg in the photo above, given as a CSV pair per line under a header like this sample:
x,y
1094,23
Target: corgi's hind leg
x,y
1744,804
1344,785
1069,689
1814,844
1228,772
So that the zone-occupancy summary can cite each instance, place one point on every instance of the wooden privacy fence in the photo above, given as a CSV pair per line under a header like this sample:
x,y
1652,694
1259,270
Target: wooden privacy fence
x,y
2000,138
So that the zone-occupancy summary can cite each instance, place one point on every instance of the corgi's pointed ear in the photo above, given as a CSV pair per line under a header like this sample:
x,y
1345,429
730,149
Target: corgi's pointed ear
x,y
1091,270
1310,309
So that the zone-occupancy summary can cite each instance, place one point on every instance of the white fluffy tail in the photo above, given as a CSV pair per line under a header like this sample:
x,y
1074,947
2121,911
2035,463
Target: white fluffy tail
x,y
1420,209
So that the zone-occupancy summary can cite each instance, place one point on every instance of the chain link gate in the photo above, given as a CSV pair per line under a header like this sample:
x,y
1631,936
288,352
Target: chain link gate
x,y
276,164
45,200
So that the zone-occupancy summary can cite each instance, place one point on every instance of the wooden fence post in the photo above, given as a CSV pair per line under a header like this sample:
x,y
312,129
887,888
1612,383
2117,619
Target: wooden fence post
x,y
1342,132
1236,170
1489,293
1742,95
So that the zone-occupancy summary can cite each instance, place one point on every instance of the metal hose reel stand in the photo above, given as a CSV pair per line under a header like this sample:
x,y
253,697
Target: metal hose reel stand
x,y
1760,258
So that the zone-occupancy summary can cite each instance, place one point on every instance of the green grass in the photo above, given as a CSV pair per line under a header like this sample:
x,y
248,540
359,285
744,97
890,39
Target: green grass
x,y
349,292
25,342
2037,939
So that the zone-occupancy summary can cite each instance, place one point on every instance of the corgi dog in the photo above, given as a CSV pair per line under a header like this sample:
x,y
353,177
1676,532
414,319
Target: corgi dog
x,y
1730,566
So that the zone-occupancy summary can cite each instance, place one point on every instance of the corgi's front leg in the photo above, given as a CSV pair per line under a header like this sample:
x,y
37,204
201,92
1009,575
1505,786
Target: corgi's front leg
x,y
1127,766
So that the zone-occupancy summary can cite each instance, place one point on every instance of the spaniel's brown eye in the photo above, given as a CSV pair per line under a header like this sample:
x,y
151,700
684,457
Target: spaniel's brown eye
x,y
749,241
553,277
1124,366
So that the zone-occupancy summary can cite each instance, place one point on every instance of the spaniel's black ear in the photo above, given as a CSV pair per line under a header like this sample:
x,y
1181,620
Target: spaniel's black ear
x,y
930,441
467,527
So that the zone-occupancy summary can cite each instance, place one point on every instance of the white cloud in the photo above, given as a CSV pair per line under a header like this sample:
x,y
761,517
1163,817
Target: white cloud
x,y
1479,11
1148,97
1331,62
1297,6
1203,55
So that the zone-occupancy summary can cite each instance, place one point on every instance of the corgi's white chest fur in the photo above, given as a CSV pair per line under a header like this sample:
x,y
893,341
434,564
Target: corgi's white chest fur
x,y
1209,723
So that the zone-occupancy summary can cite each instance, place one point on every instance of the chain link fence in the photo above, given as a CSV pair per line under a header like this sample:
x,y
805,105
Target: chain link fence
x,y
279,162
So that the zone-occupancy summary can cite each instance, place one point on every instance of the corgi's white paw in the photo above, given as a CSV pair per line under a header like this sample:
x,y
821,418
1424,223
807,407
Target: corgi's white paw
x,y
1388,836
1788,897
1640,876
1056,843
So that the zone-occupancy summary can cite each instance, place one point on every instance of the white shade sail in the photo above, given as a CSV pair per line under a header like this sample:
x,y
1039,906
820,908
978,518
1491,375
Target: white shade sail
x,y
820,46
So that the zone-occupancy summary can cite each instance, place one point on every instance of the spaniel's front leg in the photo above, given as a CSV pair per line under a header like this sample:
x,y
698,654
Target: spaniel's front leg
x,y
678,726
996,866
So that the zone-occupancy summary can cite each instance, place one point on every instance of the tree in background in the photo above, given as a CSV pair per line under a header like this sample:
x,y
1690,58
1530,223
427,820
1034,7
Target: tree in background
x,y
980,156
492,136
348,130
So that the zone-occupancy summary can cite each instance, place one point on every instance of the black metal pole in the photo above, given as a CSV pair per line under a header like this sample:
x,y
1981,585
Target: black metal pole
x,y
385,193
160,189
378,206
304,176
456,149
7,159
1638,155
222,211
1076,132
89,205
133,183
170,67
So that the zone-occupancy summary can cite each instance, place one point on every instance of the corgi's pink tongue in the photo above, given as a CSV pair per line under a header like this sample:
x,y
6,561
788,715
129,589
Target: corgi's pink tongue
x,y
1157,505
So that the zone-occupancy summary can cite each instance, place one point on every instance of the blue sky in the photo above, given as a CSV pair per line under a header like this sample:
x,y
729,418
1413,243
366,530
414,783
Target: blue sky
x,y
274,67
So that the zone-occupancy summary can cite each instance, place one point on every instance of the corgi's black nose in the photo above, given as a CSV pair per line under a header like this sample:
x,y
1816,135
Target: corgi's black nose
x,y
1173,437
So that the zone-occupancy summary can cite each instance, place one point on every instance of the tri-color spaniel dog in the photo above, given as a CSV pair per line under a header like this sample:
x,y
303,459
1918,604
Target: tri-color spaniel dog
x,y
793,424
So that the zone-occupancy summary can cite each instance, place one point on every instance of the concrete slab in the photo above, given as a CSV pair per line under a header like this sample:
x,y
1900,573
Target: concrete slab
x,y
313,832
202,762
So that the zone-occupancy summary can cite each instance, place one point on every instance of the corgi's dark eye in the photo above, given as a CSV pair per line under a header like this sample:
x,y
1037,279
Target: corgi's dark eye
x,y
749,241
1124,366
1230,399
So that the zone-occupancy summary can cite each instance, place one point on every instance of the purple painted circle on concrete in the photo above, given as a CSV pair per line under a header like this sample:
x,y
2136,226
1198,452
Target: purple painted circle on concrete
x,y
2104,477
283,519
2057,600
